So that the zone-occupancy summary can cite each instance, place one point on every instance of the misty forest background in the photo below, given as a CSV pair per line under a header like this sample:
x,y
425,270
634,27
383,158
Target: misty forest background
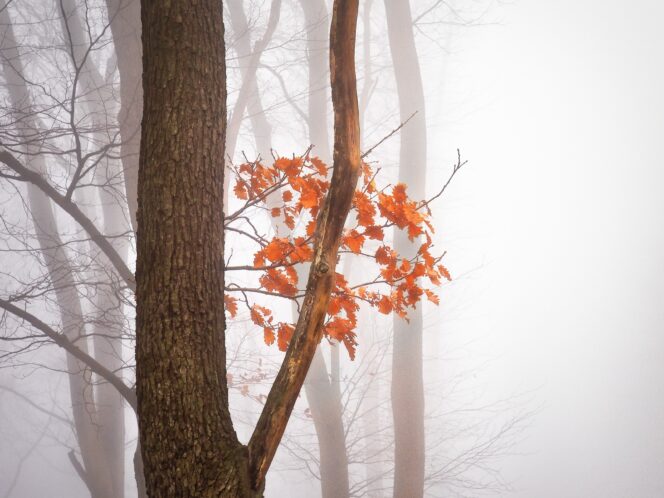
x,y
542,363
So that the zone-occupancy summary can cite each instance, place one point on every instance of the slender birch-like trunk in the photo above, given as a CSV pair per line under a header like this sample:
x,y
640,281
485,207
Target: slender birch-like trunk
x,y
94,468
407,374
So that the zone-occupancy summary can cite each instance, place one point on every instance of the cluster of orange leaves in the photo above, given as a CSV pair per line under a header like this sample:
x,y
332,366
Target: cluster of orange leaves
x,y
292,191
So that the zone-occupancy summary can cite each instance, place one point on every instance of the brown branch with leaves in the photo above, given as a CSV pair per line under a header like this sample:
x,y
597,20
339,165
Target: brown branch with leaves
x,y
347,169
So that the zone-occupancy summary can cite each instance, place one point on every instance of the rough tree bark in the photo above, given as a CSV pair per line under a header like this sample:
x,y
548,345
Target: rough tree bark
x,y
407,377
188,442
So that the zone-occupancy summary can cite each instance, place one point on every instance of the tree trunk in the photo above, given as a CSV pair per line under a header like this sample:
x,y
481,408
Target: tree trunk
x,y
94,470
108,328
125,16
326,411
407,378
323,395
248,67
327,237
373,411
316,19
188,443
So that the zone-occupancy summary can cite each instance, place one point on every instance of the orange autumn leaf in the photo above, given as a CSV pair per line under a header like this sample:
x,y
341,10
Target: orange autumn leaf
x,y
301,251
334,307
240,190
290,167
259,259
230,303
385,305
308,197
268,336
274,251
311,228
338,327
341,330
350,343
432,297
367,172
444,272
284,334
354,241
365,209
289,221
278,281
320,166
374,232
390,273
292,274
384,255
399,192
260,315
414,294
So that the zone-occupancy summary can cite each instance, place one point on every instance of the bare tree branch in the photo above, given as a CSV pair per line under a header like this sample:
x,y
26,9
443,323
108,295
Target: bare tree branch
x,y
127,393
73,210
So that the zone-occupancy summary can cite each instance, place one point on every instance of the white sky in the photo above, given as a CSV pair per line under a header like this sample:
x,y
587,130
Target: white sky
x,y
560,111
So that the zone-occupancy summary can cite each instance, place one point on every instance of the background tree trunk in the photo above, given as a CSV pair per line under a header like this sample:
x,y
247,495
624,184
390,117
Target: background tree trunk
x,y
94,469
108,327
326,411
407,377
248,88
260,125
125,16
316,18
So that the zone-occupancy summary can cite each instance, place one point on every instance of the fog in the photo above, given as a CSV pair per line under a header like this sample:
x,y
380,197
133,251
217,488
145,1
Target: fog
x,y
542,364
560,110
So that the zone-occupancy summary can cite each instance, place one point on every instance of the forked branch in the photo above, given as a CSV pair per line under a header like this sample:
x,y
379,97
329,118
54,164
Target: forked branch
x,y
329,230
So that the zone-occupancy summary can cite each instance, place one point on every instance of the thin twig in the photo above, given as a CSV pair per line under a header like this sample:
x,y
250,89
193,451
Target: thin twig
x,y
455,170
390,134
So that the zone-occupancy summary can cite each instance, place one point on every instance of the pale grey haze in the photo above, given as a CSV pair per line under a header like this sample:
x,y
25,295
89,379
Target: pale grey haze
x,y
561,111
544,363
